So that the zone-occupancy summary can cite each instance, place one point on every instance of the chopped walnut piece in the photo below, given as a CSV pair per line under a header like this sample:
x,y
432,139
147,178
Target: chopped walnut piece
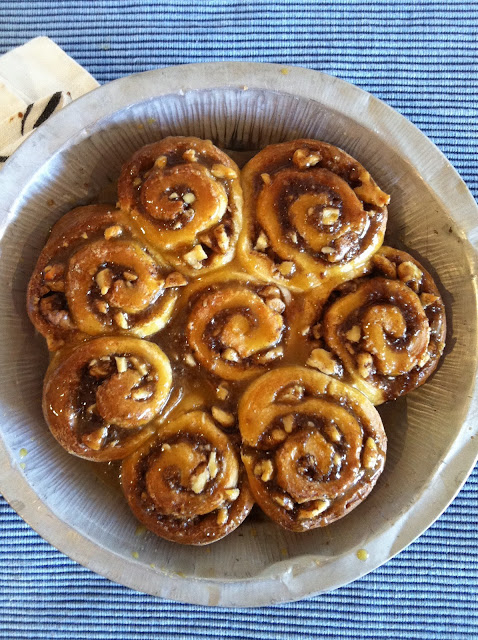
x,y
327,250
221,171
195,256
222,392
370,454
287,268
266,179
317,331
222,239
95,439
173,196
428,299
130,277
409,273
364,364
121,320
113,231
199,481
189,360
232,494
53,272
189,198
212,465
104,279
141,394
165,447
190,155
323,361
224,418
121,364
101,306
161,162
288,423
264,470
313,513
136,182
354,334
98,369
424,359
329,216
262,242
303,158
293,393
276,304
332,433
175,279
337,459
141,367
278,435
222,516
284,501
270,292
230,355
386,266
270,355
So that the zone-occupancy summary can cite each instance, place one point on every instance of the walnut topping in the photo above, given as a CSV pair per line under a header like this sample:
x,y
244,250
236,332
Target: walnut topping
x,y
141,394
424,359
428,299
354,334
190,155
409,273
323,361
121,320
276,304
317,331
293,393
95,439
288,423
161,162
370,454
99,369
264,470
141,367
337,459
189,360
121,364
332,433
284,501
313,513
222,392
287,268
386,266
136,182
365,364
104,279
222,516
278,435
270,355
113,232
270,292
230,355
165,447
303,159
199,481
221,171
84,235
327,250
266,179
101,306
175,279
195,256
224,418
91,409
189,198
232,494
53,272
262,242
212,465
173,196
293,237
222,239
329,216
130,277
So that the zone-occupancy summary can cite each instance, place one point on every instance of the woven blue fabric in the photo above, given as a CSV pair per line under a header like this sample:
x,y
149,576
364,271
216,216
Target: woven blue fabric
x,y
420,57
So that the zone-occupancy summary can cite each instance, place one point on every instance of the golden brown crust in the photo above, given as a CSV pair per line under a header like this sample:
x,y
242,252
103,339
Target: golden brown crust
x,y
184,196
312,214
386,329
313,447
93,278
100,399
186,484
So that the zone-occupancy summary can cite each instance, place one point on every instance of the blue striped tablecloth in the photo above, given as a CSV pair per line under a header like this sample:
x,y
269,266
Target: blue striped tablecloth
x,y
421,58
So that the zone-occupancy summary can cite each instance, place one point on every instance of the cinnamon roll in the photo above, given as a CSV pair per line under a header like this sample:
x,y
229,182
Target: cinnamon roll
x,y
387,329
184,195
101,398
236,327
93,277
186,484
313,447
311,214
